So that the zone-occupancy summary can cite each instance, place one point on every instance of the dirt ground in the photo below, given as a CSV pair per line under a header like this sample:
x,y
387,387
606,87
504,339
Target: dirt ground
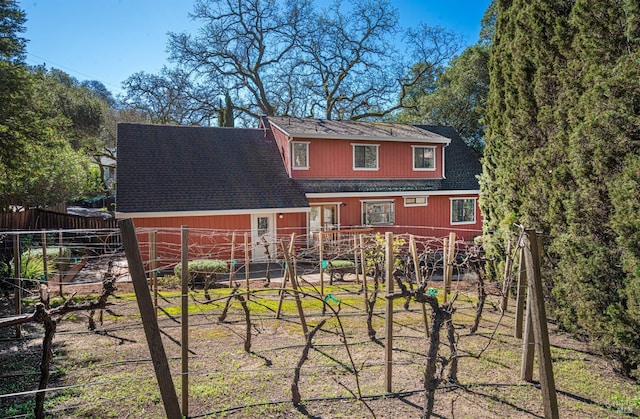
x,y
108,372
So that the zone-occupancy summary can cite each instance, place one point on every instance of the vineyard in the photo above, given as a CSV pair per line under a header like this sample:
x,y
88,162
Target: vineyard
x,y
304,333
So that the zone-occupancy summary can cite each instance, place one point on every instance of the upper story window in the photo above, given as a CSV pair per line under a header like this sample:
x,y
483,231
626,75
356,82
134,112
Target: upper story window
x,y
365,156
463,210
300,151
424,158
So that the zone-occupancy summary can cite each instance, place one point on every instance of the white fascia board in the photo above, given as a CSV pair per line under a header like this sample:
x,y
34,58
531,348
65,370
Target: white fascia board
x,y
443,140
208,213
282,130
294,135
392,193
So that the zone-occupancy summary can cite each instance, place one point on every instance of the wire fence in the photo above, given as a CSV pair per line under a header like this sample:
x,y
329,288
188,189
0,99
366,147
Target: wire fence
x,y
108,371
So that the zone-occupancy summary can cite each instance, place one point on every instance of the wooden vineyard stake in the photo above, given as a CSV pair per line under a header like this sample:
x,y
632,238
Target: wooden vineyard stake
x,y
149,320
355,257
363,263
521,291
17,296
60,274
505,281
388,354
45,268
321,254
538,316
413,248
232,271
445,267
283,286
451,253
528,346
185,320
153,273
247,259
294,285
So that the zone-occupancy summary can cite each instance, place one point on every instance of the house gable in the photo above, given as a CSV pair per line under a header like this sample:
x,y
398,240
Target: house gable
x,y
358,150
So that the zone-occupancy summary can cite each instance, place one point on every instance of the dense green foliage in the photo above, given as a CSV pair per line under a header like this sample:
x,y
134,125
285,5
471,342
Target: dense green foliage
x,y
51,126
456,94
456,97
561,156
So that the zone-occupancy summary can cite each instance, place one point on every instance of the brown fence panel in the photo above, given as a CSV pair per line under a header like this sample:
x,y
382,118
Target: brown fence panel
x,y
38,219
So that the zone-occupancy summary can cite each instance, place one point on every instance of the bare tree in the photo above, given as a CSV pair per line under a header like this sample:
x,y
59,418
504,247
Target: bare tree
x,y
244,47
346,61
170,97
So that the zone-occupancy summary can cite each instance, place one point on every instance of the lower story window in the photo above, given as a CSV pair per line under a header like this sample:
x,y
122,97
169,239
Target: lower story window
x,y
463,210
378,212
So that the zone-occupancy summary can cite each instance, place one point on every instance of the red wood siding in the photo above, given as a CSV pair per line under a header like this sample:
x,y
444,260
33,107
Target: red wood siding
x,y
432,220
209,236
282,140
334,159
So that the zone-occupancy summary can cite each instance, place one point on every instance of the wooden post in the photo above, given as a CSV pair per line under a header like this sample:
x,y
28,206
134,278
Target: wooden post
x,y
413,248
389,309
528,346
185,320
284,280
45,266
149,320
532,256
294,284
363,263
521,291
505,281
451,254
321,246
232,271
60,273
247,259
445,267
153,267
355,257
17,295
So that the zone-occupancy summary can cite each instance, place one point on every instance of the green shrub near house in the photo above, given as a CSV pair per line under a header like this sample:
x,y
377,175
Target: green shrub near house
x,y
201,268
31,262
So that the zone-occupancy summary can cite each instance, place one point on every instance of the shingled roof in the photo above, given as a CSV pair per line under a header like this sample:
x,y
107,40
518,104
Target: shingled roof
x,y
332,129
164,168
462,163
462,166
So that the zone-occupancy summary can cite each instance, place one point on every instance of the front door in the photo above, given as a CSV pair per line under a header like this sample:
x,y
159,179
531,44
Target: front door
x,y
323,217
263,236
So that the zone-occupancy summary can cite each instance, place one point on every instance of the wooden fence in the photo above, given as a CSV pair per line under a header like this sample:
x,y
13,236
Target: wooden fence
x,y
40,219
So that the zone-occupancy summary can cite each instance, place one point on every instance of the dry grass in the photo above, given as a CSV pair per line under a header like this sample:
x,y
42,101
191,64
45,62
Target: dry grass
x,y
108,373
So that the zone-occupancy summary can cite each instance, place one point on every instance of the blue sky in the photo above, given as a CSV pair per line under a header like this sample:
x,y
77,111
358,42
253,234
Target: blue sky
x,y
109,40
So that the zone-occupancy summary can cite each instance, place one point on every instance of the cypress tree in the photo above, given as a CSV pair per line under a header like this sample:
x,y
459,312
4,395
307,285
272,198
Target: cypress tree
x,y
593,271
561,156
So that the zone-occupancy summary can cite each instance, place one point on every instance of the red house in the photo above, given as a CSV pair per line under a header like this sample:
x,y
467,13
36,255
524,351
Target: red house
x,y
299,175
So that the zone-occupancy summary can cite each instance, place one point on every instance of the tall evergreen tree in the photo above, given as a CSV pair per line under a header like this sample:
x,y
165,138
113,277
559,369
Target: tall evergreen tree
x,y
37,164
562,135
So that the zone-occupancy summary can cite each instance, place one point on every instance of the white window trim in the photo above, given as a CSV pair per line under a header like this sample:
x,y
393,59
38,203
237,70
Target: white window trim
x,y
413,158
426,201
373,201
353,157
293,166
451,210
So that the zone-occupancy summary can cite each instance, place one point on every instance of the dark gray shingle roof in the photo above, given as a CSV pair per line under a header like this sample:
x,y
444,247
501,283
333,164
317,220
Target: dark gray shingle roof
x,y
462,164
330,129
165,168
